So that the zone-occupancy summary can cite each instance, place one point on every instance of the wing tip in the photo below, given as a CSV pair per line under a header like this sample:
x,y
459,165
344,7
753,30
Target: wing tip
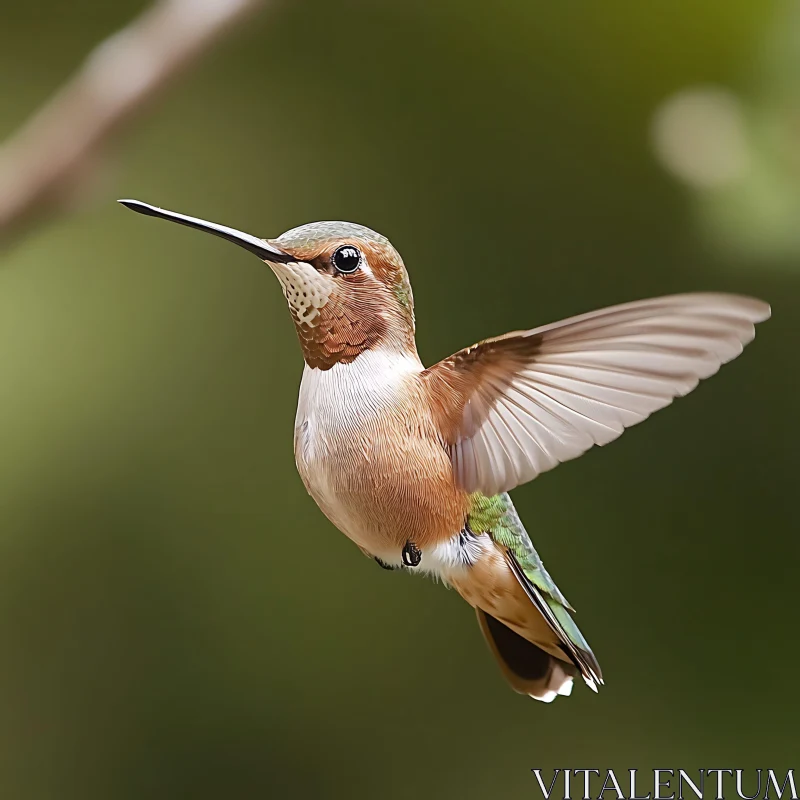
x,y
759,310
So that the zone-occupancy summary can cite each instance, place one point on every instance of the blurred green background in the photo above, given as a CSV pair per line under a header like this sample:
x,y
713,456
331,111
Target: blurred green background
x,y
178,619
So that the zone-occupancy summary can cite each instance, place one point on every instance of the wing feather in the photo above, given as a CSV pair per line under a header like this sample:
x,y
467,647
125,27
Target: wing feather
x,y
513,407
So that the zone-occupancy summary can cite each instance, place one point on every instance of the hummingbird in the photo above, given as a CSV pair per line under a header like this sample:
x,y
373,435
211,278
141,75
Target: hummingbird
x,y
414,464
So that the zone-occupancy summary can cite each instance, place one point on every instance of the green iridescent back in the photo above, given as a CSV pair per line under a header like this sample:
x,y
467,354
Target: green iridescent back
x,y
498,517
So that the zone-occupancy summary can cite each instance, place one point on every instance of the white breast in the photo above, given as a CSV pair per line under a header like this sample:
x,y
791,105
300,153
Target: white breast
x,y
336,408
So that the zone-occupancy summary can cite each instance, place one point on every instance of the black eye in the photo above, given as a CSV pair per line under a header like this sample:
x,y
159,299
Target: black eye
x,y
346,259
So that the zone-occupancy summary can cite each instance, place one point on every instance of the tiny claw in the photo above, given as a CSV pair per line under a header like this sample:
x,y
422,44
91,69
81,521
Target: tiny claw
x,y
411,555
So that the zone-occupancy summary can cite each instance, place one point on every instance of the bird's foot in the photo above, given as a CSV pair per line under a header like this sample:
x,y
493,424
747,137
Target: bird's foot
x,y
411,555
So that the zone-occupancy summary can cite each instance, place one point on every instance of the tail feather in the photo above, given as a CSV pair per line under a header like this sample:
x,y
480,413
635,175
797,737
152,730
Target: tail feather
x,y
558,618
528,669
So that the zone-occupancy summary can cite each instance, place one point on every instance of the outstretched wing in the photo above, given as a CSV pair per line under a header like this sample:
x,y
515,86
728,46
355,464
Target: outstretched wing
x,y
515,406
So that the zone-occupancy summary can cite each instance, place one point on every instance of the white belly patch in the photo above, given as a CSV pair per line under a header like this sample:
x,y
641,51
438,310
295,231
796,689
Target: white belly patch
x,y
335,408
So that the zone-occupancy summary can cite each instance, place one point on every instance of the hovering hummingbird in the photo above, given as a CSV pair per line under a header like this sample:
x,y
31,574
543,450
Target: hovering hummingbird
x,y
414,464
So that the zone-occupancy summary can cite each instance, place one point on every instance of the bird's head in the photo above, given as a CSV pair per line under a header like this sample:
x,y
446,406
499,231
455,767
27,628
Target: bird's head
x,y
346,286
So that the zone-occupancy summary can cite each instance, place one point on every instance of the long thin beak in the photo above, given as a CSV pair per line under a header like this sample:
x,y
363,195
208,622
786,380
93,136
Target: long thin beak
x,y
264,250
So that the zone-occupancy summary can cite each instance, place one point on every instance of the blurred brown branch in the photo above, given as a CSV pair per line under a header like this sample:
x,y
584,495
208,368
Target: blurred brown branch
x,y
54,154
